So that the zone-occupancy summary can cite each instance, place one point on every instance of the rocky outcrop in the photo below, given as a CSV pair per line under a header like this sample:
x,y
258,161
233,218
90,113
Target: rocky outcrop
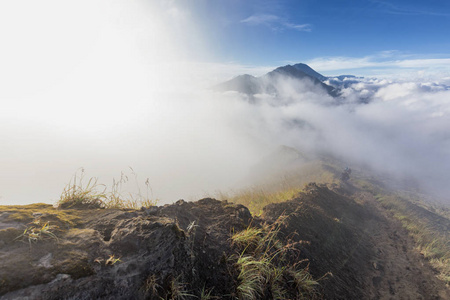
x,y
148,254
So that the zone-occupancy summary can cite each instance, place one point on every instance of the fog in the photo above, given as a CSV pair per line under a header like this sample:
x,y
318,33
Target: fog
x,y
101,96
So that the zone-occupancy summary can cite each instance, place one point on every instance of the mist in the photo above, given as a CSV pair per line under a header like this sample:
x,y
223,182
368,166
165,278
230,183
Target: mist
x,y
127,88
397,128
108,85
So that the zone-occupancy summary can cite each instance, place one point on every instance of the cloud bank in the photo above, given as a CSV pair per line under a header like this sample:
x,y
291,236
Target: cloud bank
x,y
115,91
192,142
398,128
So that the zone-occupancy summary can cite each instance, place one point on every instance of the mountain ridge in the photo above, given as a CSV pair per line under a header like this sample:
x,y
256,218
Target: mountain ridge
x,y
269,82
339,234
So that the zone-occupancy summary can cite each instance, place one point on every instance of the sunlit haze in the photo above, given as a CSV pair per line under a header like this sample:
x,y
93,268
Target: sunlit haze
x,y
108,85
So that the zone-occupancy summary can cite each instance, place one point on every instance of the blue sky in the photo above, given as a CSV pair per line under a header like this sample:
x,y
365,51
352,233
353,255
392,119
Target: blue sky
x,y
277,32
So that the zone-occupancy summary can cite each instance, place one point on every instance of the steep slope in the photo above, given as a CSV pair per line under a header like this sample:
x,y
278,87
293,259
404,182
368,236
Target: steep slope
x,y
308,70
369,254
246,84
342,234
298,73
302,75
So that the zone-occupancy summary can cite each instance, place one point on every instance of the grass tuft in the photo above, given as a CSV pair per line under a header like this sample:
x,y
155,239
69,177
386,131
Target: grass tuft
x,y
37,232
253,276
78,195
263,268
112,260
177,290
93,195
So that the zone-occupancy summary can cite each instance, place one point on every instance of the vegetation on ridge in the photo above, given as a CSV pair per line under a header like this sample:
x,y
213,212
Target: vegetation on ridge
x,y
267,259
282,187
263,267
427,225
431,241
93,195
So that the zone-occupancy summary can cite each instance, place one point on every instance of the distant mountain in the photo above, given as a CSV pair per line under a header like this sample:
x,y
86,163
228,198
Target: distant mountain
x,y
308,70
304,72
246,84
269,83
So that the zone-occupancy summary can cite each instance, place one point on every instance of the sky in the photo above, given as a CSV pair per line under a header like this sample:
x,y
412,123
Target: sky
x,y
107,85
332,36
270,32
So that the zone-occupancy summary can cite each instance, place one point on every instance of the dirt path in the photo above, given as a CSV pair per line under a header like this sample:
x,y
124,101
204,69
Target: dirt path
x,y
398,270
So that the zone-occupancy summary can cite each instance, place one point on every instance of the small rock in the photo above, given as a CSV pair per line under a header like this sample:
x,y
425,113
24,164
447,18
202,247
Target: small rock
x,y
60,277
45,261
153,210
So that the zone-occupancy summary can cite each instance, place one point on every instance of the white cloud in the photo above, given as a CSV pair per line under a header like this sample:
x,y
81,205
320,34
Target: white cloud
x,y
409,10
275,23
385,64
261,19
299,27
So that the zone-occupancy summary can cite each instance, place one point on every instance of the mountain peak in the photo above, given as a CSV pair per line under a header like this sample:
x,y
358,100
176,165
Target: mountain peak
x,y
310,71
251,85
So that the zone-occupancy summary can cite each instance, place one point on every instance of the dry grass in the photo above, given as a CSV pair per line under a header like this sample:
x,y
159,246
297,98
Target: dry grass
x,y
430,242
263,268
93,195
77,194
257,197
29,213
36,232
281,187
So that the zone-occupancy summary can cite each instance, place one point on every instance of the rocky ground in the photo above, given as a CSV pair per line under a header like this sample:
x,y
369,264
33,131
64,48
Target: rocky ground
x,y
184,251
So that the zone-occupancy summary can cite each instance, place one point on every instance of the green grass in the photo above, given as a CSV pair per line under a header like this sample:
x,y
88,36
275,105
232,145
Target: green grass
x,y
205,294
250,239
253,276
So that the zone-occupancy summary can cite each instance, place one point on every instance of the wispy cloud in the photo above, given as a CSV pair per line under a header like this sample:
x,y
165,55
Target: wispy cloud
x,y
261,19
299,27
275,23
407,10
386,62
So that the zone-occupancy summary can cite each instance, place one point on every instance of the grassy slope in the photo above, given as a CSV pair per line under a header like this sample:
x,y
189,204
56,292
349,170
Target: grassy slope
x,y
282,187
428,224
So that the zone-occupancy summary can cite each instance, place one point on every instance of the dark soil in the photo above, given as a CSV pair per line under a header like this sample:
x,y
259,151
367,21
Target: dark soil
x,y
177,251
369,254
